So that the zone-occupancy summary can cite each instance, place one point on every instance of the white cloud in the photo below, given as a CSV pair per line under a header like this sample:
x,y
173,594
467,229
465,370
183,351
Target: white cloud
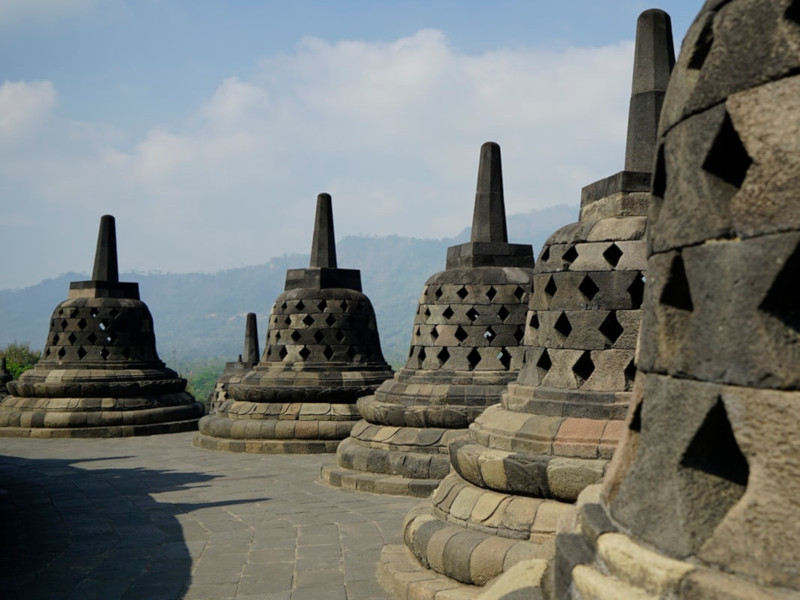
x,y
391,130
24,107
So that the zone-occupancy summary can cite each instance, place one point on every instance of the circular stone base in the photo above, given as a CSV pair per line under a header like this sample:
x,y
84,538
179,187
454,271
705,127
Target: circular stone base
x,y
254,446
99,432
378,483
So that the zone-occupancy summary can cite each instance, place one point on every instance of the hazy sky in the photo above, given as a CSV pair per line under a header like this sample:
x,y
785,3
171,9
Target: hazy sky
x,y
208,128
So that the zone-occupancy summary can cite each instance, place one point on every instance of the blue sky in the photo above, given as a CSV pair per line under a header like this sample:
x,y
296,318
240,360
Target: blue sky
x,y
207,128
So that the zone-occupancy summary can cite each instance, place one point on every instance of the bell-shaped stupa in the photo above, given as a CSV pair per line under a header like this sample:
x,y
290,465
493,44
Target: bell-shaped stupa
x,y
234,371
465,350
702,497
99,374
527,458
5,377
322,353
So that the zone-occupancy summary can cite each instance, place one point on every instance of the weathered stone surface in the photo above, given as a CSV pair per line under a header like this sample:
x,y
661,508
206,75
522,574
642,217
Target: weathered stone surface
x,y
99,375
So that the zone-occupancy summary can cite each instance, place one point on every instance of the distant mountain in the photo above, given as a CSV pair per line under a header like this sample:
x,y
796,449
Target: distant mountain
x,y
199,316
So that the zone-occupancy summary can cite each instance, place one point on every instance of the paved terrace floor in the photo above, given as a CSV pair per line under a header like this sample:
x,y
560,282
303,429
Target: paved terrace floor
x,y
153,518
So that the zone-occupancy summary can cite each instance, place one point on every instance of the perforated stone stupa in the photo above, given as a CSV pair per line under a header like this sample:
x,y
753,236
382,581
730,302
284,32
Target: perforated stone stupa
x,y
557,426
322,353
99,374
703,496
5,377
465,349
235,370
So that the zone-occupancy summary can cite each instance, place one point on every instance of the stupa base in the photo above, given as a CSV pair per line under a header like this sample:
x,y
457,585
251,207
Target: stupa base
x,y
99,432
378,483
271,446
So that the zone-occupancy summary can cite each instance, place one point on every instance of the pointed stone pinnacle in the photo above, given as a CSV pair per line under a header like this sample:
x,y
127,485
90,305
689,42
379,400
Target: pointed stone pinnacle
x,y
652,64
323,245
105,258
250,351
489,217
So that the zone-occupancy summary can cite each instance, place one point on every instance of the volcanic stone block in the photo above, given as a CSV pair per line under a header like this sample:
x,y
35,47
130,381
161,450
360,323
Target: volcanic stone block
x,y
99,375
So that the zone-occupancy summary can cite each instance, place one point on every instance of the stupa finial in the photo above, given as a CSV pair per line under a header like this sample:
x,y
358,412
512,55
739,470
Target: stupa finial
x,y
652,64
250,352
489,217
323,245
105,258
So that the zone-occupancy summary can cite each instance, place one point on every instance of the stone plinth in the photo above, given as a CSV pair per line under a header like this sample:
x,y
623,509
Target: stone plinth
x,y
527,458
702,497
234,371
99,374
322,353
465,349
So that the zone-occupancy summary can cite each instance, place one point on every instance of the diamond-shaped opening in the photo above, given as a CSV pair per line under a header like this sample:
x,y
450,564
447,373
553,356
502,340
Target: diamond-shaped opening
x,y
434,333
330,320
345,305
636,291
781,299
460,334
93,312
438,293
308,320
447,312
659,186
71,338
503,313
55,339
462,292
126,352
570,255
269,352
275,320
491,293
82,324
282,352
544,362
588,288
104,353
421,356
339,336
113,313
562,325
443,356
328,352
411,352
304,353
676,292
612,255
728,159
550,289
73,312
61,311
472,314
630,375
64,324
611,327
277,336
636,419
288,320
300,305
519,292
489,334
793,12
473,358
428,312
545,256
61,352
47,352
519,334
504,356
322,305
284,306
318,336
702,46
534,322
81,352
295,335
351,353
583,367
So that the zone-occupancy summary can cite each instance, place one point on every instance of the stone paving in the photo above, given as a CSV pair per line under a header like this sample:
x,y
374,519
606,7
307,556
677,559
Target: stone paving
x,y
152,518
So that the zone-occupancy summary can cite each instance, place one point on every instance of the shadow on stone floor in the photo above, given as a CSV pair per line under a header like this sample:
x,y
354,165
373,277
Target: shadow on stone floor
x,y
72,532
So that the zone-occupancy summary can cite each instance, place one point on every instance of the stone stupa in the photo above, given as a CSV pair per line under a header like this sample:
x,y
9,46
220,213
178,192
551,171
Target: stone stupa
x,y
99,374
5,377
465,350
703,496
527,459
322,353
235,370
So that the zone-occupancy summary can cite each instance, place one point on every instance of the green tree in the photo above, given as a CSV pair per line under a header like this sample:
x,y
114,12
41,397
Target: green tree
x,y
19,358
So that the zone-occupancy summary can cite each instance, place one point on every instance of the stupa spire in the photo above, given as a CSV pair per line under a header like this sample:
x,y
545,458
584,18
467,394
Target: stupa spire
x,y
250,352
654,57
489,216
105,258
323,244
